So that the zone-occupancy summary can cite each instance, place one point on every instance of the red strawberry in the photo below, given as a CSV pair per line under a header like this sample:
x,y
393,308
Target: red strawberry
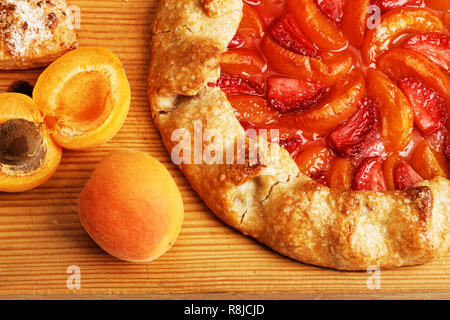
x,y
236,86
434,45
287,95
430,113
246,125
360,128
236,42
386,5
286,138
405,176
369,176
447,149
287,33
320,177
438,139
292,145
333,9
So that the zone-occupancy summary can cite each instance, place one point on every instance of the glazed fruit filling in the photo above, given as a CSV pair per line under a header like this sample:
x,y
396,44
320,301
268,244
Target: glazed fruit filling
x,y
360,101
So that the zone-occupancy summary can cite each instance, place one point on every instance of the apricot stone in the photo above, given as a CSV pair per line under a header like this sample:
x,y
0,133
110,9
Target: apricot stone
x,y
28,154
131,207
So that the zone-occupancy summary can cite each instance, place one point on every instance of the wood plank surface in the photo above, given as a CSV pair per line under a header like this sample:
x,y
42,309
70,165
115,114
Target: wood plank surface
x,y
40,234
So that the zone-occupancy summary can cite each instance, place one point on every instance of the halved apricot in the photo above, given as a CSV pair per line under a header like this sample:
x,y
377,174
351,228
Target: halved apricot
x,y
389,166
438,4
400,63
331,111
314,159
395,23
85,97
396,113
317,27
340,176
354,21
428,162
28,155
242,63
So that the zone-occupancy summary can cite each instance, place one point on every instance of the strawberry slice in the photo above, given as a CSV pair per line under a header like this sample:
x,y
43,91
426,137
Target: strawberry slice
x,y
233,86
359,129
447,149
386,5
236,42
434,45
287,33
369,176
320,177
405,176
287,94
286,138
292,144
332,9
246,125
430,113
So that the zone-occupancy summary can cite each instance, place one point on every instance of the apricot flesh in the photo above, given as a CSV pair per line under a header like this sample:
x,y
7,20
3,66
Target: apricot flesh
x,y
317,27
395,23
131,206
333,110
28,155
399,63
85,97
397,121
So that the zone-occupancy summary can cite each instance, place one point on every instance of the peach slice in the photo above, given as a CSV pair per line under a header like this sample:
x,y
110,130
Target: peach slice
x,y
428,162
28,155
317,27
327,71
354,21
400,63
395,23
333,110
340,176
396,113
85,97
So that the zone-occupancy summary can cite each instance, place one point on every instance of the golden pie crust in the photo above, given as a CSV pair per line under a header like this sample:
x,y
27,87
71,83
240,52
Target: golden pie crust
x,y
34,33
271,201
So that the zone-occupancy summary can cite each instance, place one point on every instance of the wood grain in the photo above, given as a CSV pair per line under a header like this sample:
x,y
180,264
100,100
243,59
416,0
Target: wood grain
x,y
40,235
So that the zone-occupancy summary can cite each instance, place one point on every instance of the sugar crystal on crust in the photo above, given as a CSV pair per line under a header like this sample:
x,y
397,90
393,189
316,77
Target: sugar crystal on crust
x,y
28,26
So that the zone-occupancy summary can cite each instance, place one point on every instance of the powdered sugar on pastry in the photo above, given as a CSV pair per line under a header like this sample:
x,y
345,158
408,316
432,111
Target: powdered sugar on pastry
x,y
30,27
35,28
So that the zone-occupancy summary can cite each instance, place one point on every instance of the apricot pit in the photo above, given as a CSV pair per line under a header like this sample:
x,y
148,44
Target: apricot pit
x,y
28,155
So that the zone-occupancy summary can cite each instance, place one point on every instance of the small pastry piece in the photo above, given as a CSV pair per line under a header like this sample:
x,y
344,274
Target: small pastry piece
x,y
33,33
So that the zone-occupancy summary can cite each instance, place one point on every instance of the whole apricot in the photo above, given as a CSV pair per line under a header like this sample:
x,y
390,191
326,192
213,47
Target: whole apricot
x,y
131,206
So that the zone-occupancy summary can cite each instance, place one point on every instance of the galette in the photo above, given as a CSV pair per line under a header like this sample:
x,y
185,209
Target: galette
x,y
318,127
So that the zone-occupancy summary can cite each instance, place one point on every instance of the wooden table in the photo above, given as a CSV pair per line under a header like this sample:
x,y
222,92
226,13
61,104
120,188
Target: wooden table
x,y
40,234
